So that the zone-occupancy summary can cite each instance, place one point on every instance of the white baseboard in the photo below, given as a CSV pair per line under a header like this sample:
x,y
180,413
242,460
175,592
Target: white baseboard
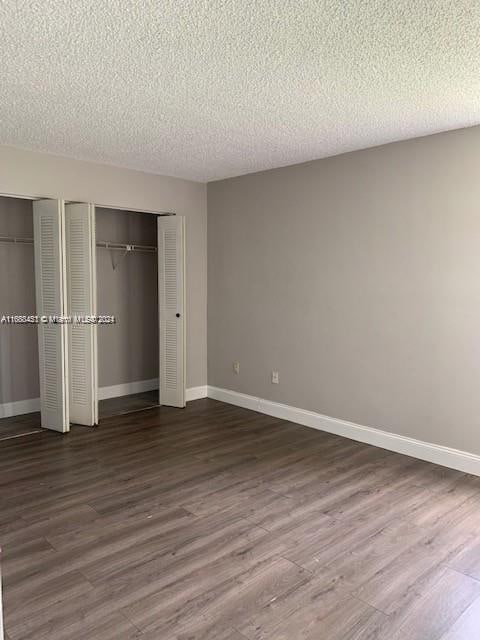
x,y
9,409
195,393
20,407
126,389
28,406
445,456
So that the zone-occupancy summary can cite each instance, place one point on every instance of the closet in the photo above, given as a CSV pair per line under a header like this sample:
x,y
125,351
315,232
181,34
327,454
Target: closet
x,y
19,374
68,265
33,373
127,266
127,289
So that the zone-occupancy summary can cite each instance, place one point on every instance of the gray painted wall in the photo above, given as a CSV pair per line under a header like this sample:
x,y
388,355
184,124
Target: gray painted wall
x,y
357,277
128,349
36,174
19,378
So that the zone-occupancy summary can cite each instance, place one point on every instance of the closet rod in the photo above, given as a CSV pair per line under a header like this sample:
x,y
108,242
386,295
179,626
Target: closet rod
x,y
14,240
115,246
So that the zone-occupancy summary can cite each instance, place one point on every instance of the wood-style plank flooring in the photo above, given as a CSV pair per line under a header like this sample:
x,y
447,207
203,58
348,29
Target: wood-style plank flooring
x,y
17,426
127,404
218,523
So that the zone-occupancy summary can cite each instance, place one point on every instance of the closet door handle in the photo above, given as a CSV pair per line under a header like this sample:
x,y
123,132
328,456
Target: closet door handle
x,y
178,315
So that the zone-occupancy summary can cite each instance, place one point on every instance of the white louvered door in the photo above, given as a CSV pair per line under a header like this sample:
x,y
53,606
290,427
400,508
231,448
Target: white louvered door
x,y
49,244
81,302
171,302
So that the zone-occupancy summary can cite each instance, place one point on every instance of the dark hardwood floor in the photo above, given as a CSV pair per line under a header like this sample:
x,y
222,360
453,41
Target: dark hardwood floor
x,y
217,523
127,404
17,426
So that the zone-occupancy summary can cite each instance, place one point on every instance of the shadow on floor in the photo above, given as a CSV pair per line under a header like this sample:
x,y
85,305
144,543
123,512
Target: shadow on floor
x,y
127,404
17,426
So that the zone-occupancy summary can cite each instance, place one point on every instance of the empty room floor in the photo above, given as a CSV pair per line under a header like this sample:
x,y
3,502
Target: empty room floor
x,y
18,426
218,523
127,404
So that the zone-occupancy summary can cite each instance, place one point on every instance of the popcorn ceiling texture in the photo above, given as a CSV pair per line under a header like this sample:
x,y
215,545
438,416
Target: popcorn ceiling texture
x,y
208,89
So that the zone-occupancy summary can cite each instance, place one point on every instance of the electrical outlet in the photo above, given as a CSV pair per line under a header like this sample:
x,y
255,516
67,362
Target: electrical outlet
x,y
274,377
236,367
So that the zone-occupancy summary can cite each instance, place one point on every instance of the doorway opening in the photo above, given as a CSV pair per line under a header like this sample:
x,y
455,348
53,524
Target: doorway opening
x,y
127,290
126,269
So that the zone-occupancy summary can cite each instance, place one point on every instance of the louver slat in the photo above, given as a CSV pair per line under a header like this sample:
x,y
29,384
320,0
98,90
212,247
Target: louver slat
x,y
82,338
171,310
48,219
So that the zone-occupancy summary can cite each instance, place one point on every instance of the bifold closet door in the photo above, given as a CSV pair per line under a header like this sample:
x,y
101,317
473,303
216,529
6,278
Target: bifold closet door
x,y
171,303
81,303
49,245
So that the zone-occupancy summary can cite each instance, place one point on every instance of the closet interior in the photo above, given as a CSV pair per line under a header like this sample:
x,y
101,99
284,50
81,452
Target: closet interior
x,y
69,264
19,368
127,289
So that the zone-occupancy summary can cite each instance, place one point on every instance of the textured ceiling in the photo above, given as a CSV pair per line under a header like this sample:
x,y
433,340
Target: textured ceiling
x,y
212,88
